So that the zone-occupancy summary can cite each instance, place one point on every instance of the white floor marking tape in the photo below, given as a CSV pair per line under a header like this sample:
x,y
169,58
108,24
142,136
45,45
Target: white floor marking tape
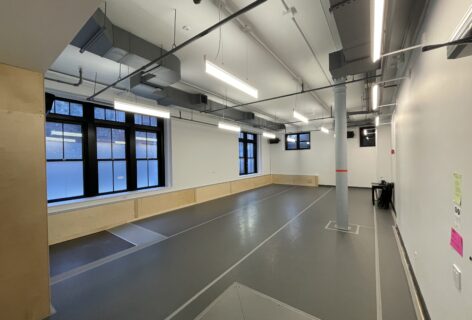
x,y
378,288
90,266
199,293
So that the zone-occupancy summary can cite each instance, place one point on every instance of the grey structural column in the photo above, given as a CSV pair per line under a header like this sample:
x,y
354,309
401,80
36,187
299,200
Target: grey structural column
x,y
340,117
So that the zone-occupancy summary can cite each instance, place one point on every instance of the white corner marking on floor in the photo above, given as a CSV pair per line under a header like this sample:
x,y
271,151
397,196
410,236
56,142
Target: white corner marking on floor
x,y
199,293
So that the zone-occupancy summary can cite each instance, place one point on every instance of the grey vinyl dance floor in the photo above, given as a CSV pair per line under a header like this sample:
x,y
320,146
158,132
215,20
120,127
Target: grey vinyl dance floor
x,y
272,240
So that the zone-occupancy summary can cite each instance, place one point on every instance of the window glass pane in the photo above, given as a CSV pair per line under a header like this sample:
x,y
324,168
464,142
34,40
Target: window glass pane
x,y
250,166
241,149
138,119
241,166
304,145
241,135
153,121
292,141
53,141
250,136
61,107
250,150
64,179
146,120
153,173
141,145
120,116
119,169
76,110
142,173
304,137
103,143
110,115
72,141
119,144
151,145
105,176
99,113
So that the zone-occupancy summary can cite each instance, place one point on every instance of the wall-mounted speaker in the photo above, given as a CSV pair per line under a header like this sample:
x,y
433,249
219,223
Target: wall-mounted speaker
x,y
350,134
274,141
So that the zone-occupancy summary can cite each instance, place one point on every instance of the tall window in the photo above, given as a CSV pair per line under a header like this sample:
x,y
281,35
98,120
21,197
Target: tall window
x,y
297,141
64,160
367,136
93,150
146,157
111,155
247,153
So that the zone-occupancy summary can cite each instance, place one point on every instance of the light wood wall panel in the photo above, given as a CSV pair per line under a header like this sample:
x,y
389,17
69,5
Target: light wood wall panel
x,y
250,183
298,180
213,191
24,267
164,202
77,223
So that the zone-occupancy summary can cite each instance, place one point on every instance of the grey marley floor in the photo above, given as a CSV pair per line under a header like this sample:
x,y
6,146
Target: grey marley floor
x,y
270,244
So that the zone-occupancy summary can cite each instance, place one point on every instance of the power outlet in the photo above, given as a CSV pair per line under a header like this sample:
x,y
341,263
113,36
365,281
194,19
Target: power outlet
x,y
456,273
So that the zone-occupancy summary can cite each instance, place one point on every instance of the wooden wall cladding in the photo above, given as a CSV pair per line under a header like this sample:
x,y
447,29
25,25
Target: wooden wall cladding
x,y
164,202
80,222
213,191
297,180
73,224
24,267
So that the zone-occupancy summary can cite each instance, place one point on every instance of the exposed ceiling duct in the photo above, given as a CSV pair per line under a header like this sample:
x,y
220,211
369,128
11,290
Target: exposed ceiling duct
x,y
101,37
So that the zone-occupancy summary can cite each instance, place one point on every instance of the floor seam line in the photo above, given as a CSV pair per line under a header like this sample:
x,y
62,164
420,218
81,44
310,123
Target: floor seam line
x,y
183,306
95,264
231,212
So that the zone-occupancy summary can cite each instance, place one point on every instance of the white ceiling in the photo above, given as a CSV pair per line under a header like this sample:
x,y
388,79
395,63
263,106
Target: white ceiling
x,y
240,53
32,33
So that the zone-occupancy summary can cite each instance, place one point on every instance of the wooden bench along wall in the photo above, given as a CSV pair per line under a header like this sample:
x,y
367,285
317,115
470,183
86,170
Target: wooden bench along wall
x,y
75,223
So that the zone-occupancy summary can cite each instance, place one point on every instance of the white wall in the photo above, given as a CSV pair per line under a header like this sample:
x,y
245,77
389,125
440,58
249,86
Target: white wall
x,y
433,140
320,160
203,154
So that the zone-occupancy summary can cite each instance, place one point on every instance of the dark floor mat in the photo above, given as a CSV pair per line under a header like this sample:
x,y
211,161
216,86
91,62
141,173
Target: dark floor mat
x,y
74,253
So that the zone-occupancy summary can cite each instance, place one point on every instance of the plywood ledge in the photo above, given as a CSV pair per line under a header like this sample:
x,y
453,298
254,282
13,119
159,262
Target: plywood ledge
x,y
296,180
84,221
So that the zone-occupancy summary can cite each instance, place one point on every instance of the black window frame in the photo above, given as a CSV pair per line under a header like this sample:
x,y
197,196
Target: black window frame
x,y
298,147
245,141
366,143
89,146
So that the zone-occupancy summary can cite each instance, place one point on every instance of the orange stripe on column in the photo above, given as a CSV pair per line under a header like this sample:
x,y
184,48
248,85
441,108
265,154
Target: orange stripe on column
x,y
341,170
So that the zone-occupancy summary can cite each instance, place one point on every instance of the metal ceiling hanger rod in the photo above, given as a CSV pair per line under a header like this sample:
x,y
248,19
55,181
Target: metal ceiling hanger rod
x,y
184,44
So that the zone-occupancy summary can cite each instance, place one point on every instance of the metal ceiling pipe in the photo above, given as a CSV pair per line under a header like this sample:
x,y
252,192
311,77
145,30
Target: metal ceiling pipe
x,y
340,116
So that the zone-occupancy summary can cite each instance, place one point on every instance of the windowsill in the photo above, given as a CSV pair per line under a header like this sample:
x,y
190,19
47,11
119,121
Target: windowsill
x,y
249,175
82,203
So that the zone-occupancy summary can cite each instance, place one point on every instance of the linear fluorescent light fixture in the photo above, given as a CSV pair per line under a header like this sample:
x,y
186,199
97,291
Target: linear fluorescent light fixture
x,y
375,97
377,121
230,127
140,108
324,130
228,78
268,135
300,116
379,6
